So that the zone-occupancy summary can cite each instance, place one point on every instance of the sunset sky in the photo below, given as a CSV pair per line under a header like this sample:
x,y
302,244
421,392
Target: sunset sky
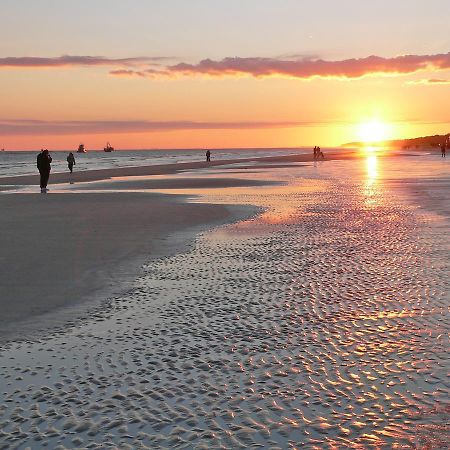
x,y
210,73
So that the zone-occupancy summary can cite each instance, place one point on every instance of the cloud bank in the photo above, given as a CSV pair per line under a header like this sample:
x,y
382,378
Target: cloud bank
x,y
69,127
303,68
306,68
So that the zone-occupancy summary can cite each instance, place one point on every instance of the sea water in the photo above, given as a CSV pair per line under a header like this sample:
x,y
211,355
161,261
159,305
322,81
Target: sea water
x,y
24,162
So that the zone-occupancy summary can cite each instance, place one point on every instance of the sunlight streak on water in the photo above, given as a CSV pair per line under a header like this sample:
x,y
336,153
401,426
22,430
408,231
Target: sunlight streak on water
x,y
370,188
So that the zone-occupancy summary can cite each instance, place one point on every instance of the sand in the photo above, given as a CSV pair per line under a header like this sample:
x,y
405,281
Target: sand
x,y
56,249
60,250
321,323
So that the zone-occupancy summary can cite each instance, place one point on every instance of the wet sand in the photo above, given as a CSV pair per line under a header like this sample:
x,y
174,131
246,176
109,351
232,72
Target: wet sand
x,y
321,323
60,250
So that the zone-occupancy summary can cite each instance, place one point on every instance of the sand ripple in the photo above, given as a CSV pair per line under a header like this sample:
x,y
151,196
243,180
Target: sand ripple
x,y
322,324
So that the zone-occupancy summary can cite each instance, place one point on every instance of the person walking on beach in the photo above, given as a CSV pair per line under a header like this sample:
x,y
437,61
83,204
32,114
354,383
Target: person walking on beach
x,y
208,156
71,161
43,164
315,152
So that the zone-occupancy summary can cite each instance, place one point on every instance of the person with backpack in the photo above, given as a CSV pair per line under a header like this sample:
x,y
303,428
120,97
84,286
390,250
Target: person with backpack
x,y
44,166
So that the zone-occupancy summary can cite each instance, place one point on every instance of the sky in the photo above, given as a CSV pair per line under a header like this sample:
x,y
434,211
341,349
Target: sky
x,y
217,74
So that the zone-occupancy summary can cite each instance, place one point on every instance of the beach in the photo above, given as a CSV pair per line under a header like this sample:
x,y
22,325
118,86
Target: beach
x,y
271,302
61,250
64,253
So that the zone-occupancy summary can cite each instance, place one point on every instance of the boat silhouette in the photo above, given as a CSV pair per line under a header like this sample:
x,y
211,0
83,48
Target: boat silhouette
x,y
108,148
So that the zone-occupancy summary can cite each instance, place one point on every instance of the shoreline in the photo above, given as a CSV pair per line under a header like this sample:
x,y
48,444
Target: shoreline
x,y
162,169
58,244
295,325
8,183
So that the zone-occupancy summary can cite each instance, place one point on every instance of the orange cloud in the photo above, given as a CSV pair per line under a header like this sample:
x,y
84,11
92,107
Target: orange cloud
x,y
305,68
309,68
300,68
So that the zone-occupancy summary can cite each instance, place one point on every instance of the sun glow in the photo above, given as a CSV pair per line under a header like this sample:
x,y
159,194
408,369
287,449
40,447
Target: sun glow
x,y
374,131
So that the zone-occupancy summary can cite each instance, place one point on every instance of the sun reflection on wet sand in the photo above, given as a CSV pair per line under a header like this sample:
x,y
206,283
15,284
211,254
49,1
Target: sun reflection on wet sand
x,y
371,187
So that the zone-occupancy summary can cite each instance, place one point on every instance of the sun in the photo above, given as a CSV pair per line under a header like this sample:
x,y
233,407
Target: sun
x,y
374,131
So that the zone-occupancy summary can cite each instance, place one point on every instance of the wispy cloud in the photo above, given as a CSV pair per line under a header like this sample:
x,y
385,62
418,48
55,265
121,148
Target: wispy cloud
x,y
68,127
430,82
148,73
78,61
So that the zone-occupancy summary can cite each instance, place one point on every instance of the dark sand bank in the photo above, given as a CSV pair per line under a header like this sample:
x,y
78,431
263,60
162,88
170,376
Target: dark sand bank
x,y
59,250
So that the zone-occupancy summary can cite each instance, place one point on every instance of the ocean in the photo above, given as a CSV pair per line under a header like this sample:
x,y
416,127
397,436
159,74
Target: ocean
x,y
14,163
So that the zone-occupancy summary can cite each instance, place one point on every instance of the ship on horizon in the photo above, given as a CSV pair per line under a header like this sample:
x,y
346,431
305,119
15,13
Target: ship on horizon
x,y
108,148
81,149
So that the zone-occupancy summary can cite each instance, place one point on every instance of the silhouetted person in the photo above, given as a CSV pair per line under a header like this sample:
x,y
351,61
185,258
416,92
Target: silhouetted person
x,y
315,152
443,147
71,161
43,164
208,156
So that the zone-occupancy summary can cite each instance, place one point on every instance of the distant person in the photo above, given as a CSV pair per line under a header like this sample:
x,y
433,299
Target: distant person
x,y
443,147
71,161
315,152
43,164
208,156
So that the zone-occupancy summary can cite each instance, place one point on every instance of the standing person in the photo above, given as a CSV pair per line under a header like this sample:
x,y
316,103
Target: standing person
x,y
315,151
43,164
208,156
71,161
443,147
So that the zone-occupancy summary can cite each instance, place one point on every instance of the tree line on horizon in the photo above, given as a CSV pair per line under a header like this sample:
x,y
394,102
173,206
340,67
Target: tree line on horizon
x,y
424,141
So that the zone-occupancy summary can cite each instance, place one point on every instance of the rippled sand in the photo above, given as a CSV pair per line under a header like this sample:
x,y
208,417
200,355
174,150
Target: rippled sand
x,y
321,324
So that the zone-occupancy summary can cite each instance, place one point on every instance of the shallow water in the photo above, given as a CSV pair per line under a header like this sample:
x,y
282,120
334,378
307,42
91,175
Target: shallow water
x,y
322,323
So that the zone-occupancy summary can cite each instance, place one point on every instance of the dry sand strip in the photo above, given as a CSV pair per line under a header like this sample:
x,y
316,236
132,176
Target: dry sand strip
x,y
58,250
162,169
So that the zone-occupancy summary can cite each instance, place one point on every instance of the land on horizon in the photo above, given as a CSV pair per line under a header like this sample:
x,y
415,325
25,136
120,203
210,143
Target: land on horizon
x,y
418,142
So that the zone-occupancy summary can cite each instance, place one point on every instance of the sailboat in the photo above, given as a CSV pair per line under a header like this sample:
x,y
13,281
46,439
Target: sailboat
x,y
108,148
81,149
